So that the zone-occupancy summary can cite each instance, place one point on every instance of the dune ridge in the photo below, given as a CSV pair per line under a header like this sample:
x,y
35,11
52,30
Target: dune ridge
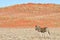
x,y
29,15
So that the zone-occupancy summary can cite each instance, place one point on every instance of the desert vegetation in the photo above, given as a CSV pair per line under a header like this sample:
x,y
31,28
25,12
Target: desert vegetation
x,y
28,34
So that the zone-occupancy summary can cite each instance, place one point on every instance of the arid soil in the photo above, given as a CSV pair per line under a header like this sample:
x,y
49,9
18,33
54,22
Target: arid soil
x,y
29,15
28,34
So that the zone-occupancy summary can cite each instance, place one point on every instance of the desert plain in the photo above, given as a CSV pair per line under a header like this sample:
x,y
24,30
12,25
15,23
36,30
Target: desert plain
x,y
18,22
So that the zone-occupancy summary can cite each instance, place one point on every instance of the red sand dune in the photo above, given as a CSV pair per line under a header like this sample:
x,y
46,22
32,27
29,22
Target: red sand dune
x,y
29,15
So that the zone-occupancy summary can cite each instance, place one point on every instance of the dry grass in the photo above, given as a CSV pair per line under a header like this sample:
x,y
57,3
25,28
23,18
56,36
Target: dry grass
x,y
28,34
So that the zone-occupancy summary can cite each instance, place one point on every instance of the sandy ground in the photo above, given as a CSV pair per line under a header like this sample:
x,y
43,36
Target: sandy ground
x,y
28,34
29,15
